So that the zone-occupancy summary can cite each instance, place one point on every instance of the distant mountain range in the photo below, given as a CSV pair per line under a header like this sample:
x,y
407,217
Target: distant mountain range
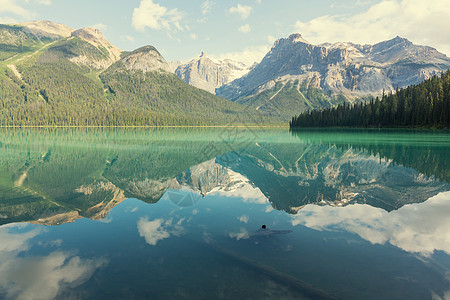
x,y
51,74
346,68
209,74
295,75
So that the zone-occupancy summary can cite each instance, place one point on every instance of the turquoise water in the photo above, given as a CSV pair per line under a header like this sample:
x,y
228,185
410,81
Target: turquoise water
x,y
177,213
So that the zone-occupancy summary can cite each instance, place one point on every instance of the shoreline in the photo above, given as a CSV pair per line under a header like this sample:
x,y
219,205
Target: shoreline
x,y
153,126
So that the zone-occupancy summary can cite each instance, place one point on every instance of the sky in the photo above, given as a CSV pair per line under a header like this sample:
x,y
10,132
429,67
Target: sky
x,y
243,30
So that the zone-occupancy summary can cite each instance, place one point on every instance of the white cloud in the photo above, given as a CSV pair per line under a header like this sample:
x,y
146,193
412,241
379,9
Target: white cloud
x,y
445,296
418,228
243,10
245,28
38,277
159,229
11,6
244,219
241,235
43,277
44,2
248,56
15,242
152,231
157,17
100,26
420,21
206,7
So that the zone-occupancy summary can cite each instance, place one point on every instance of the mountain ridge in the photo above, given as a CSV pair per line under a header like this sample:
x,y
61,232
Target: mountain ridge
x,y
83,79
348,69
47,28
209,74
295,56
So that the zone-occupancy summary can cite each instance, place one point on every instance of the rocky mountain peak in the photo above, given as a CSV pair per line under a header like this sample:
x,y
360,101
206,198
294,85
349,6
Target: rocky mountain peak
x,y
209,74
89,34
96,38
293,39
44,28
145,59
108,52
341,68
297,38
395,43
401,49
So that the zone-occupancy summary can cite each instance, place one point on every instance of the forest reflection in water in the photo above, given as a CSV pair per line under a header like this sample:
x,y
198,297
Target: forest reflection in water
x,y
57,176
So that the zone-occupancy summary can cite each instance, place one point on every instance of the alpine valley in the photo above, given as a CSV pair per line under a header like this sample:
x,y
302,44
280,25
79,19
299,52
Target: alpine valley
x,y
51,74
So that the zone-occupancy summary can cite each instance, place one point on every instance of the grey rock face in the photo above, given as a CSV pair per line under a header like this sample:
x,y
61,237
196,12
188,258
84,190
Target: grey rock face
x,y
208,74
341,68
95,38
145,59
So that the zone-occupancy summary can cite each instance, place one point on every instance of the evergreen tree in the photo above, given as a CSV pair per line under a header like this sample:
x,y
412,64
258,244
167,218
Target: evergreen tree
x,y
423,105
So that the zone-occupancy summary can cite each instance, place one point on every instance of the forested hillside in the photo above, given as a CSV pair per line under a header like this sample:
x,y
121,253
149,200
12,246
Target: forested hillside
x,y
73,81
423,105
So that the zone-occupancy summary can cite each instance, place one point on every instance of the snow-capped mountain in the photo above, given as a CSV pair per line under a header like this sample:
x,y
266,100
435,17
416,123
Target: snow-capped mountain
x,y
209,74
347,69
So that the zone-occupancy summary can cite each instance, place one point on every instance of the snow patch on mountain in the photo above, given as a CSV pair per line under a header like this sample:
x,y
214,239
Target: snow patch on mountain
x,y
208,73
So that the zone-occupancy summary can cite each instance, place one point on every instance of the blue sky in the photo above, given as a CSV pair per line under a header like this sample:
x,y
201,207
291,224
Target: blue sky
x,y
244,29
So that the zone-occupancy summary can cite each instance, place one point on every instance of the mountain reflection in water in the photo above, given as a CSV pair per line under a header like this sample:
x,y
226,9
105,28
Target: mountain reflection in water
x,y
53,177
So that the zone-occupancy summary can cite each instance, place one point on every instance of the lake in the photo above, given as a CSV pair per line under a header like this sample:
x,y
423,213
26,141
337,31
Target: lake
x,y
178,214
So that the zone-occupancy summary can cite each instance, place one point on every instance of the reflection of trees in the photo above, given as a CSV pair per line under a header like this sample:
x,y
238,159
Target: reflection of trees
x,y
52,177
292,175
425,151
48,176
430,161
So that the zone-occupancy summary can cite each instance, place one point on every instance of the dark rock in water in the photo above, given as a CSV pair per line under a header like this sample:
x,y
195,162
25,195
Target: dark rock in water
x,y
264,231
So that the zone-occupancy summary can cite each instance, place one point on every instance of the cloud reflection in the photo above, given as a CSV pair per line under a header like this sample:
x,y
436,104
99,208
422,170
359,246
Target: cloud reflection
x,y
241,235
418,228
445,296
38,277
159,229
244,219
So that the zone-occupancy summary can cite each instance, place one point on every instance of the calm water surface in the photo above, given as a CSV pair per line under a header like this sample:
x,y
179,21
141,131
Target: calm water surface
x,y
177,214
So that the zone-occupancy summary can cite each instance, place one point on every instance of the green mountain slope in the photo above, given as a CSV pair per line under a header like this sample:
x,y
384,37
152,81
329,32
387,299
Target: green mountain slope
x,y
83,81
290,98
14,40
